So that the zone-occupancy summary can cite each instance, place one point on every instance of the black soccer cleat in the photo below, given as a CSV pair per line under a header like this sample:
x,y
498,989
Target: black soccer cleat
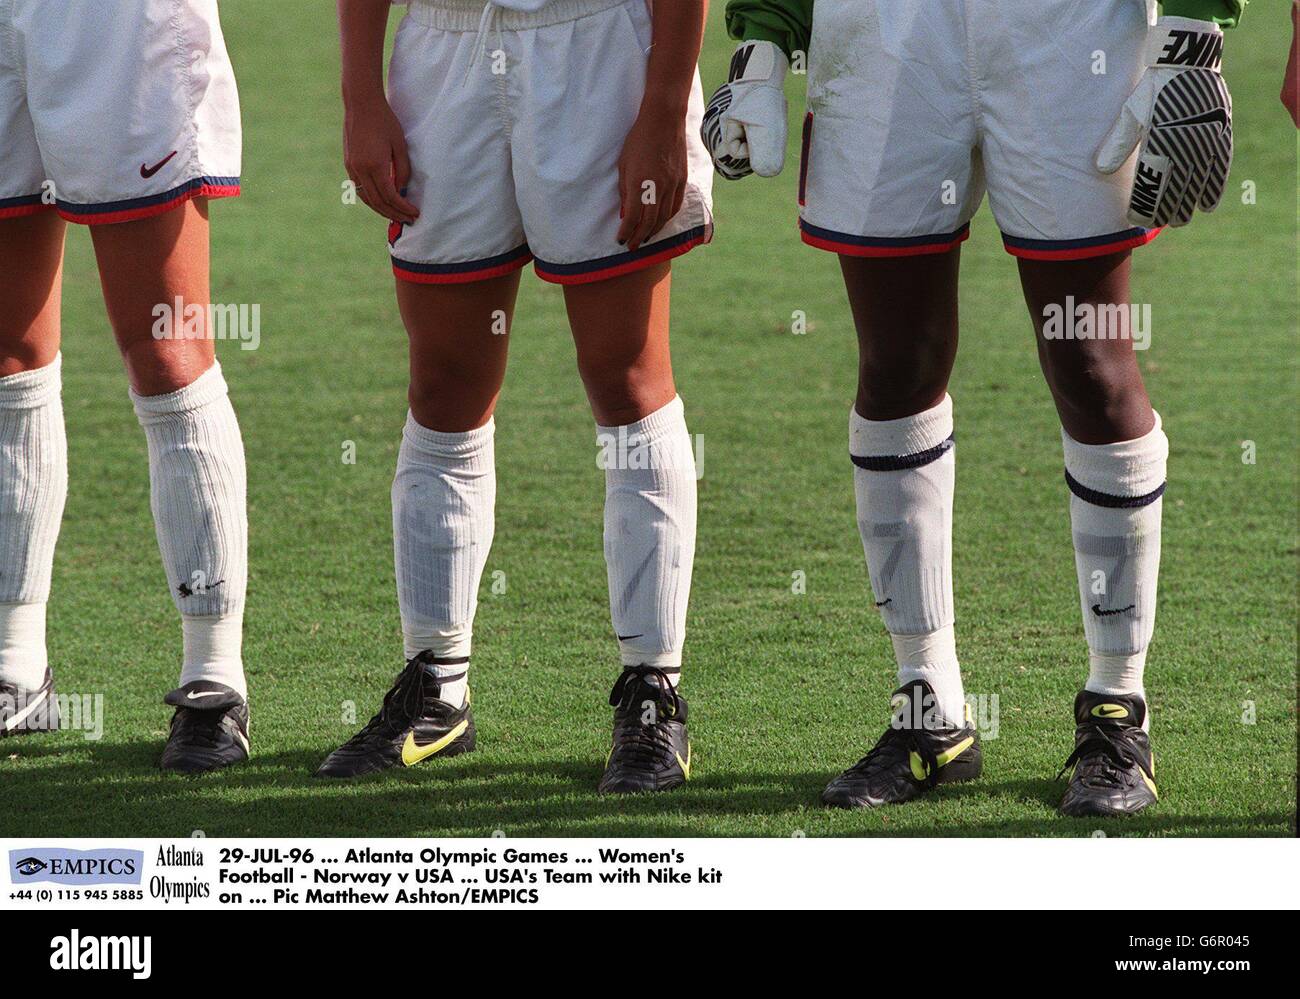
x,y
1114,770
23,711
913,756
413,725
651,749
209,728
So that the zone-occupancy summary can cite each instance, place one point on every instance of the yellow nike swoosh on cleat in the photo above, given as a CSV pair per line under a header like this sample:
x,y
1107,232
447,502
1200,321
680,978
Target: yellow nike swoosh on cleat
x,y
1110,711
686,763
944,758
413,753
1151,784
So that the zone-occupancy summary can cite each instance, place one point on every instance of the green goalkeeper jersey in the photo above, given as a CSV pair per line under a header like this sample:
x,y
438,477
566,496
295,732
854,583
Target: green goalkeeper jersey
x,y
788,23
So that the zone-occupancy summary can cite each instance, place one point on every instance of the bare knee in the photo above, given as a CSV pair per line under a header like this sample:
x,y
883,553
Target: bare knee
x,y
453,395
901,376
621,395
159,366
1099,396
19,354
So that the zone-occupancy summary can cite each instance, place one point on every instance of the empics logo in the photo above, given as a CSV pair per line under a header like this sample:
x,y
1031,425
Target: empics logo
x,y
30,866
76,867
91,953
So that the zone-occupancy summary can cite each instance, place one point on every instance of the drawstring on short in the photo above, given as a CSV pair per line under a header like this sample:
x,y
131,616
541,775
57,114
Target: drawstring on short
x,y
487,22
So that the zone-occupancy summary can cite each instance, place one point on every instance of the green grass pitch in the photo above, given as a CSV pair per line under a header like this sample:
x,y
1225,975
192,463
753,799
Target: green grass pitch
x,y
785,688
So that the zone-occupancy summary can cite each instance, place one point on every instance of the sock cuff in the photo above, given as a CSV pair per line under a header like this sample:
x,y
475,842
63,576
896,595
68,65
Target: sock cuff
x,y
1127,469
207,388
927,431
448,444
936,648
663,421
32,389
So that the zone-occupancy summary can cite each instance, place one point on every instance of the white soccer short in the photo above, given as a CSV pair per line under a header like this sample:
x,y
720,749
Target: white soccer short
x,y
114,111
515,122
917,107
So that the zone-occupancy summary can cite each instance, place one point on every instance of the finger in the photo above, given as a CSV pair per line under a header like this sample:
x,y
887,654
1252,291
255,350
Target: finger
x,y
1217,181
632,210
647,225
1123,136
679,199
628,218
364,195
1175,207
380,183
402,178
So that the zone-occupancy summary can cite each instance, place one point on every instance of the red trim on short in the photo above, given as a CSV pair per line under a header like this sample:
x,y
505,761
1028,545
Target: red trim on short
x,y
1083,252
149,211
629,266
462,277
855,250
21,211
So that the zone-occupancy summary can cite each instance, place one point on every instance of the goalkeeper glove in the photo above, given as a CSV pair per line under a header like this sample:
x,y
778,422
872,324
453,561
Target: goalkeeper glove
x,y
745,123
1181,113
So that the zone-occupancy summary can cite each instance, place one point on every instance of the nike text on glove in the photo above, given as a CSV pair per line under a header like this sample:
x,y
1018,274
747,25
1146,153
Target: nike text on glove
x,y
1181,112
745,123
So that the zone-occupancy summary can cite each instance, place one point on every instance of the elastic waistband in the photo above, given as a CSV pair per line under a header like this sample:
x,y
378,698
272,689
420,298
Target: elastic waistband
x,y
467,15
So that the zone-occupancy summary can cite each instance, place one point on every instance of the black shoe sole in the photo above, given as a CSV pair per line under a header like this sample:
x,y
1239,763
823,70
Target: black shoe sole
x,y
465,744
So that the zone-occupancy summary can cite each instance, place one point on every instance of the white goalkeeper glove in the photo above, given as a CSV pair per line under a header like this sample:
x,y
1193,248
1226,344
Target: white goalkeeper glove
x,y
745,123
1181,113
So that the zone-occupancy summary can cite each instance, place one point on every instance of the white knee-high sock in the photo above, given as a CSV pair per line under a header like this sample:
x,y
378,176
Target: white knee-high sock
x,y
1115,504
649,535
33,488
199,498
904,477
444,507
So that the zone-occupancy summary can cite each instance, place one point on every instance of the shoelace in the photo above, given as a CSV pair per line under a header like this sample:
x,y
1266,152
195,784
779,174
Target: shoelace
x,y
198,726
402,702
901,741
1111,748
643,746
667,699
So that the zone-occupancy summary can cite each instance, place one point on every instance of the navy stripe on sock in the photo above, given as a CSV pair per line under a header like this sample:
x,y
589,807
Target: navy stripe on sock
x,y
898,462
1106,499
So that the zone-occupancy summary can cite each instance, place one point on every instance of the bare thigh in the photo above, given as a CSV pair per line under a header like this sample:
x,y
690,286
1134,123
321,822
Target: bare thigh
x,y
620,328
459,341
149,263
31,278
905,311
1095,383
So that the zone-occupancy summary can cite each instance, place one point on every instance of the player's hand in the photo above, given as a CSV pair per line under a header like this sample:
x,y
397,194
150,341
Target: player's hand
x,y
745,123
1291,84
374,152
1181,113
652,174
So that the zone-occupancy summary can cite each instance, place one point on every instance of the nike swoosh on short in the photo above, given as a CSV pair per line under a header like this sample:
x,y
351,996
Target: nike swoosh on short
x,y
148,171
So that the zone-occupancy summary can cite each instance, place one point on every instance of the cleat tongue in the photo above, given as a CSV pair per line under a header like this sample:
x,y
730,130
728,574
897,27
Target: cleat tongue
x,y
204,695
1126,710
913,706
